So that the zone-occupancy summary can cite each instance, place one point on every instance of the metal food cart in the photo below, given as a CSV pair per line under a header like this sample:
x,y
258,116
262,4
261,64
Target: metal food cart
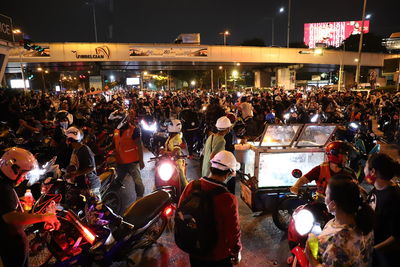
x,y
270,161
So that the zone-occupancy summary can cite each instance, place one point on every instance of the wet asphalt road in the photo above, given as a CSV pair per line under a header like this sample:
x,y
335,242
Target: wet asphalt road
x,y
263,243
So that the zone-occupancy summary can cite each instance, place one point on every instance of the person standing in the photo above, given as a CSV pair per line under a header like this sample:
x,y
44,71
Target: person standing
x,y
215,143
129,154
225,251
384,199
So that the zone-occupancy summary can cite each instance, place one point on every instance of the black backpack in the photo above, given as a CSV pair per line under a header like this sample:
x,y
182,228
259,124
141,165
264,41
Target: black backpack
x,y
195,224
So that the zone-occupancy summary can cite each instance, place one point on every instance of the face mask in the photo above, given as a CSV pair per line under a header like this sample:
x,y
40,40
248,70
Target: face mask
x,y
329,209
64,125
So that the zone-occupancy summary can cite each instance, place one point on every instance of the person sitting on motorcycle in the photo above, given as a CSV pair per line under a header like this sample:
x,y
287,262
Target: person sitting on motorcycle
x,y
82,167
174,145
191,124
347,239
30,128
337,154
15,165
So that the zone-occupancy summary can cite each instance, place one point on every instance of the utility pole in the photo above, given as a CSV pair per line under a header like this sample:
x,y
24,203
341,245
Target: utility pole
x,y
212,79
288,24
357,80
94,20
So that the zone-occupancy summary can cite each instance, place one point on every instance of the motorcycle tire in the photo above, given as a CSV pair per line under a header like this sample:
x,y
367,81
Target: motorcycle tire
x,y
113,201
153,233
284,210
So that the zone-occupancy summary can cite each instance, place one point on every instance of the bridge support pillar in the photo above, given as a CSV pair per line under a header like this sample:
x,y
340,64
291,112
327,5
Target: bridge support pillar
x,y
262,78
286,78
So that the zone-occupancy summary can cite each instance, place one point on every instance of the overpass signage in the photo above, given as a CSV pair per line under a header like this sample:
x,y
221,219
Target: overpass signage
x,y
151,51
101,52
6,29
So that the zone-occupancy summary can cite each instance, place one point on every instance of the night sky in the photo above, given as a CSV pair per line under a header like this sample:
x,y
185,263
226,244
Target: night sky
x,y
159,21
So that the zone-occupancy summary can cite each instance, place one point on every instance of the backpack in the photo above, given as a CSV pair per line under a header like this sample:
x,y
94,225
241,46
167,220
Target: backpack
x,y
195,224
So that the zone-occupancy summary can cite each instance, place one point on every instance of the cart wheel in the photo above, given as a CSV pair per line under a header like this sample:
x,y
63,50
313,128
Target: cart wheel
x,y
282,215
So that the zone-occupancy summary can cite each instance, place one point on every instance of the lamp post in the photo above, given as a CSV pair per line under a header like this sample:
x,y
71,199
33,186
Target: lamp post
x,y
93,4
225,34
18,31
357,78
288,24
44,84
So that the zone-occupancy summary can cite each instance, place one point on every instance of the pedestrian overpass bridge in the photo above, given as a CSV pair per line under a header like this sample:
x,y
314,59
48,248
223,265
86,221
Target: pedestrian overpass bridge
x,y
284,62
135,55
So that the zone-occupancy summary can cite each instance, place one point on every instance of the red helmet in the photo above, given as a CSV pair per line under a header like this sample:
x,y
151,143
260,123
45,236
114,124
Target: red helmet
x,y
336,150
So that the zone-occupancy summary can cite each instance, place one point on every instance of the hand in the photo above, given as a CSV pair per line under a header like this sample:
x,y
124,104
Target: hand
x,y
294,190
141,164
51,221
22,122
235,259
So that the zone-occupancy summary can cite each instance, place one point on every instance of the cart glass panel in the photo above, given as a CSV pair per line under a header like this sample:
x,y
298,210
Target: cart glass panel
x,y
250,162
279,135
276,168
315,135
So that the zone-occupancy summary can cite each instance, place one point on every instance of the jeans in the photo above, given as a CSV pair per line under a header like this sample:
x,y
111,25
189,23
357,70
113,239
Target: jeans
x,y
133,169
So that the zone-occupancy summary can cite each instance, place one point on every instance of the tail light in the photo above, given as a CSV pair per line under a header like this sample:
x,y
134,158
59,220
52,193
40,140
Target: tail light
x,y
85,232
168,211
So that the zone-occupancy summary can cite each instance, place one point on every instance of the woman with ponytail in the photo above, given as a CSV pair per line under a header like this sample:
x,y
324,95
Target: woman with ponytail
x,y
385,200
347,239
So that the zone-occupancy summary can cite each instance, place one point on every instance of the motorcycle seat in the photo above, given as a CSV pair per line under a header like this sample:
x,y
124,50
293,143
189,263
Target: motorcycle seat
x,y
145,209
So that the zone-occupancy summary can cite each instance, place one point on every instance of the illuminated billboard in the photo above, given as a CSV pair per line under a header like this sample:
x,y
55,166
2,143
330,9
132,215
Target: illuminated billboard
x,y
332,33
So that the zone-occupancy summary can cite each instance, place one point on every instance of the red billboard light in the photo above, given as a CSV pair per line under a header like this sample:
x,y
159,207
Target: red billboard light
x,y
332,33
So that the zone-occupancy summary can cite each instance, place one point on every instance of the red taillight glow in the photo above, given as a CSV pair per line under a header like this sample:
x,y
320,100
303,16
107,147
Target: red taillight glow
x,y
168,211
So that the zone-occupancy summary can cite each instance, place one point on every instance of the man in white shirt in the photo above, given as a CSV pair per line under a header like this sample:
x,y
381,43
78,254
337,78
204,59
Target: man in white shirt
x,y
246,108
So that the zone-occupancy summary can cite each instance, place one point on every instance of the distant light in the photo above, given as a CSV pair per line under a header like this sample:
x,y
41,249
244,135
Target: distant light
x,y
238,64
235,73
281,10
46,71
112,78
16,31
227,33
220,67
193,83
58,88
356,60
145,73
318,51
39,69
368,16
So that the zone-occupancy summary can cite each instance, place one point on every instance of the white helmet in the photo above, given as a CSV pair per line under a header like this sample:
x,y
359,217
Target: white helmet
x,y
16,162
223,123
175,126
64,115
225,160
74,133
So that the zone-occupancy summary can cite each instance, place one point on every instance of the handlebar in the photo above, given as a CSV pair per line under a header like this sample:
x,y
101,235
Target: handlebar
x,y
176,157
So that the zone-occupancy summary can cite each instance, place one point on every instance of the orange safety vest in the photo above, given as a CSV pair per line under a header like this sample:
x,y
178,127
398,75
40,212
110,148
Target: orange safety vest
x,y
126,149
324,177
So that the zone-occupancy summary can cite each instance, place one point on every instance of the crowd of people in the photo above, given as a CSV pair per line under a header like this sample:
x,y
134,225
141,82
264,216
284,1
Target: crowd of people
x,y
79,127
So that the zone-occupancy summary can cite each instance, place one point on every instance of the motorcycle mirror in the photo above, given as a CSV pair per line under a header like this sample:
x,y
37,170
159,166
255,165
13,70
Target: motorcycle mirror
x,y
296,173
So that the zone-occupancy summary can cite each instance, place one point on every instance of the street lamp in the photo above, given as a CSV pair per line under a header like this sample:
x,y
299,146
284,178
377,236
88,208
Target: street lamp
x,y
193,83
225,34
368,16
357,78
93,4
288,23
281,10
17,31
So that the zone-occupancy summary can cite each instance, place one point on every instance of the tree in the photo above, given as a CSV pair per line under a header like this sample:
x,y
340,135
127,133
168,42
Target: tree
x,y
371,43
253,42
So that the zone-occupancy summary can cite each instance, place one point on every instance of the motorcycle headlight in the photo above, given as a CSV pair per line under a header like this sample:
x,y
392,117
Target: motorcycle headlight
x,y
149,127
303,221
354,125
165,171
314,118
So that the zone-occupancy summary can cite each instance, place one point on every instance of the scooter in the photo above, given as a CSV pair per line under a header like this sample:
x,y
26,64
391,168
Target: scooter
x,y
95,234
167,173
308,218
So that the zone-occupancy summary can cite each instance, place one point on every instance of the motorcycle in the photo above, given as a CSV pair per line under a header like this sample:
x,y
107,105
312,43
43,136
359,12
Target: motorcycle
x,y
306,218
158,139
92,233
282,214
167,173
149,126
